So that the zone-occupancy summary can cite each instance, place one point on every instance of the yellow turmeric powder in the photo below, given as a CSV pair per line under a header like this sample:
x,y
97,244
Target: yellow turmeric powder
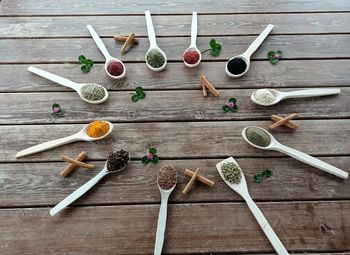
x,y
97,129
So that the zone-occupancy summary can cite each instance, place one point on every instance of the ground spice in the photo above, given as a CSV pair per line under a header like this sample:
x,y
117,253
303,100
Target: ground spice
x,y
258,137
115,68
167,177
117,160
236,66
264,96
231,172
191,57
97,129
155,58
93,92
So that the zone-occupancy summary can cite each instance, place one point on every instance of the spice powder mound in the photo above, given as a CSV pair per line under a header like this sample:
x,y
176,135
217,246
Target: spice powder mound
x,y
117,160
231,172
167,177
258,137
93,92
191,57
97,129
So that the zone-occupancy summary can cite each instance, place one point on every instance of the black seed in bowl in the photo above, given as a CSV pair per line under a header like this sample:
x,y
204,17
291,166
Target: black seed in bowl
x,y
117,160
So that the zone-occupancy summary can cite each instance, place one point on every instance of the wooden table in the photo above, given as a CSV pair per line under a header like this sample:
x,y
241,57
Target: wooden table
x,y
308,209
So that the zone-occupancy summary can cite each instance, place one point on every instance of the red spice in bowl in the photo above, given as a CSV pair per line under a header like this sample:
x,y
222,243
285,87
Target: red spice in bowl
x,y
115,68
191,57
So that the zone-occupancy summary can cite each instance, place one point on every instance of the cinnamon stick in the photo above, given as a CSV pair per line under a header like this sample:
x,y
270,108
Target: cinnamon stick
x,y
121,38
283,121
77,162
190,183
209,86
71,167
127,42
204,90
290,124
200,178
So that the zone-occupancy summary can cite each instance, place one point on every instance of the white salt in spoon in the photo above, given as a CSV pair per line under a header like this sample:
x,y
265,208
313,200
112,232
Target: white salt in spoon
x,y
108,57
83,189
248,53
193,46
242,190
80,136
298,155
78,87
153,43
162,218
279,95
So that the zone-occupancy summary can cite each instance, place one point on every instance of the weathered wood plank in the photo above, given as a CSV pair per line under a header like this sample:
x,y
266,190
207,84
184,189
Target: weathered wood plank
x,y
39,184
191,228
178,139
59,50
296,73
66,7
34,108
170,26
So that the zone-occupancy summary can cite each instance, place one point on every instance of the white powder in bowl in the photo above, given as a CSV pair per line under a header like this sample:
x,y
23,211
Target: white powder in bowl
x,y
264,96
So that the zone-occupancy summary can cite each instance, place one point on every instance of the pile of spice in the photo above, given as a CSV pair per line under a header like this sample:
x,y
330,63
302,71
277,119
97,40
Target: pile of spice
x,y
115,68
258,137
191,57
231,172
167,177
97,129
236,66
93,92
155,58
264,96
117,160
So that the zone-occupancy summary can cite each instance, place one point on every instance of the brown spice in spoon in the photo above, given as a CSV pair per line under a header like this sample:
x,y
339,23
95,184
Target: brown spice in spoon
x,y
167,177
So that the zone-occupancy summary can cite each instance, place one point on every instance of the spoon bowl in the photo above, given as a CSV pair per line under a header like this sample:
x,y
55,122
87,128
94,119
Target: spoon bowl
x,y
248,53
79,136
153,43
298,155
68,83
279,95
105,53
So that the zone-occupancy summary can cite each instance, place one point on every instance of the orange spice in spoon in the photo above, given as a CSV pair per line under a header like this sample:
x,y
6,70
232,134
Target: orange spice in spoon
x,y
97,129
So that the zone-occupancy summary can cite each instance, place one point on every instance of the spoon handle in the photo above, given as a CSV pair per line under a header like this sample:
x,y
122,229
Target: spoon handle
x,y
48,145
55,78
194,30
99,42
303,157
258,41
150,30
271,235
78,193
161,226
312,92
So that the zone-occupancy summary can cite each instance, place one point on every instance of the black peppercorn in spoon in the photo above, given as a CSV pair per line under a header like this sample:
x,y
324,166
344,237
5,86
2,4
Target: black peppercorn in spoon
x,y
237,66
116,162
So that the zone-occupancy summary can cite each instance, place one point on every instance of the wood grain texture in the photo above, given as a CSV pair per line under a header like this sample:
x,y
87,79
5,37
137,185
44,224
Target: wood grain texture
x,y
39,184
301,226
66,7
180,105
59,50
296,73
177,139
170,26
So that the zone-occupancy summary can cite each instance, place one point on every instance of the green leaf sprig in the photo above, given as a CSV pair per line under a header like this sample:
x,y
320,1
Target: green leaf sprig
x,y
215,48
139,94
231,105
151,156
275,56
258,178
86,63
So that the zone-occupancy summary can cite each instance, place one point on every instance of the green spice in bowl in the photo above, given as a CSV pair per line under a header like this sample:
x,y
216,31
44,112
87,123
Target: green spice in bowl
x,y
258,137
93,92
155,58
